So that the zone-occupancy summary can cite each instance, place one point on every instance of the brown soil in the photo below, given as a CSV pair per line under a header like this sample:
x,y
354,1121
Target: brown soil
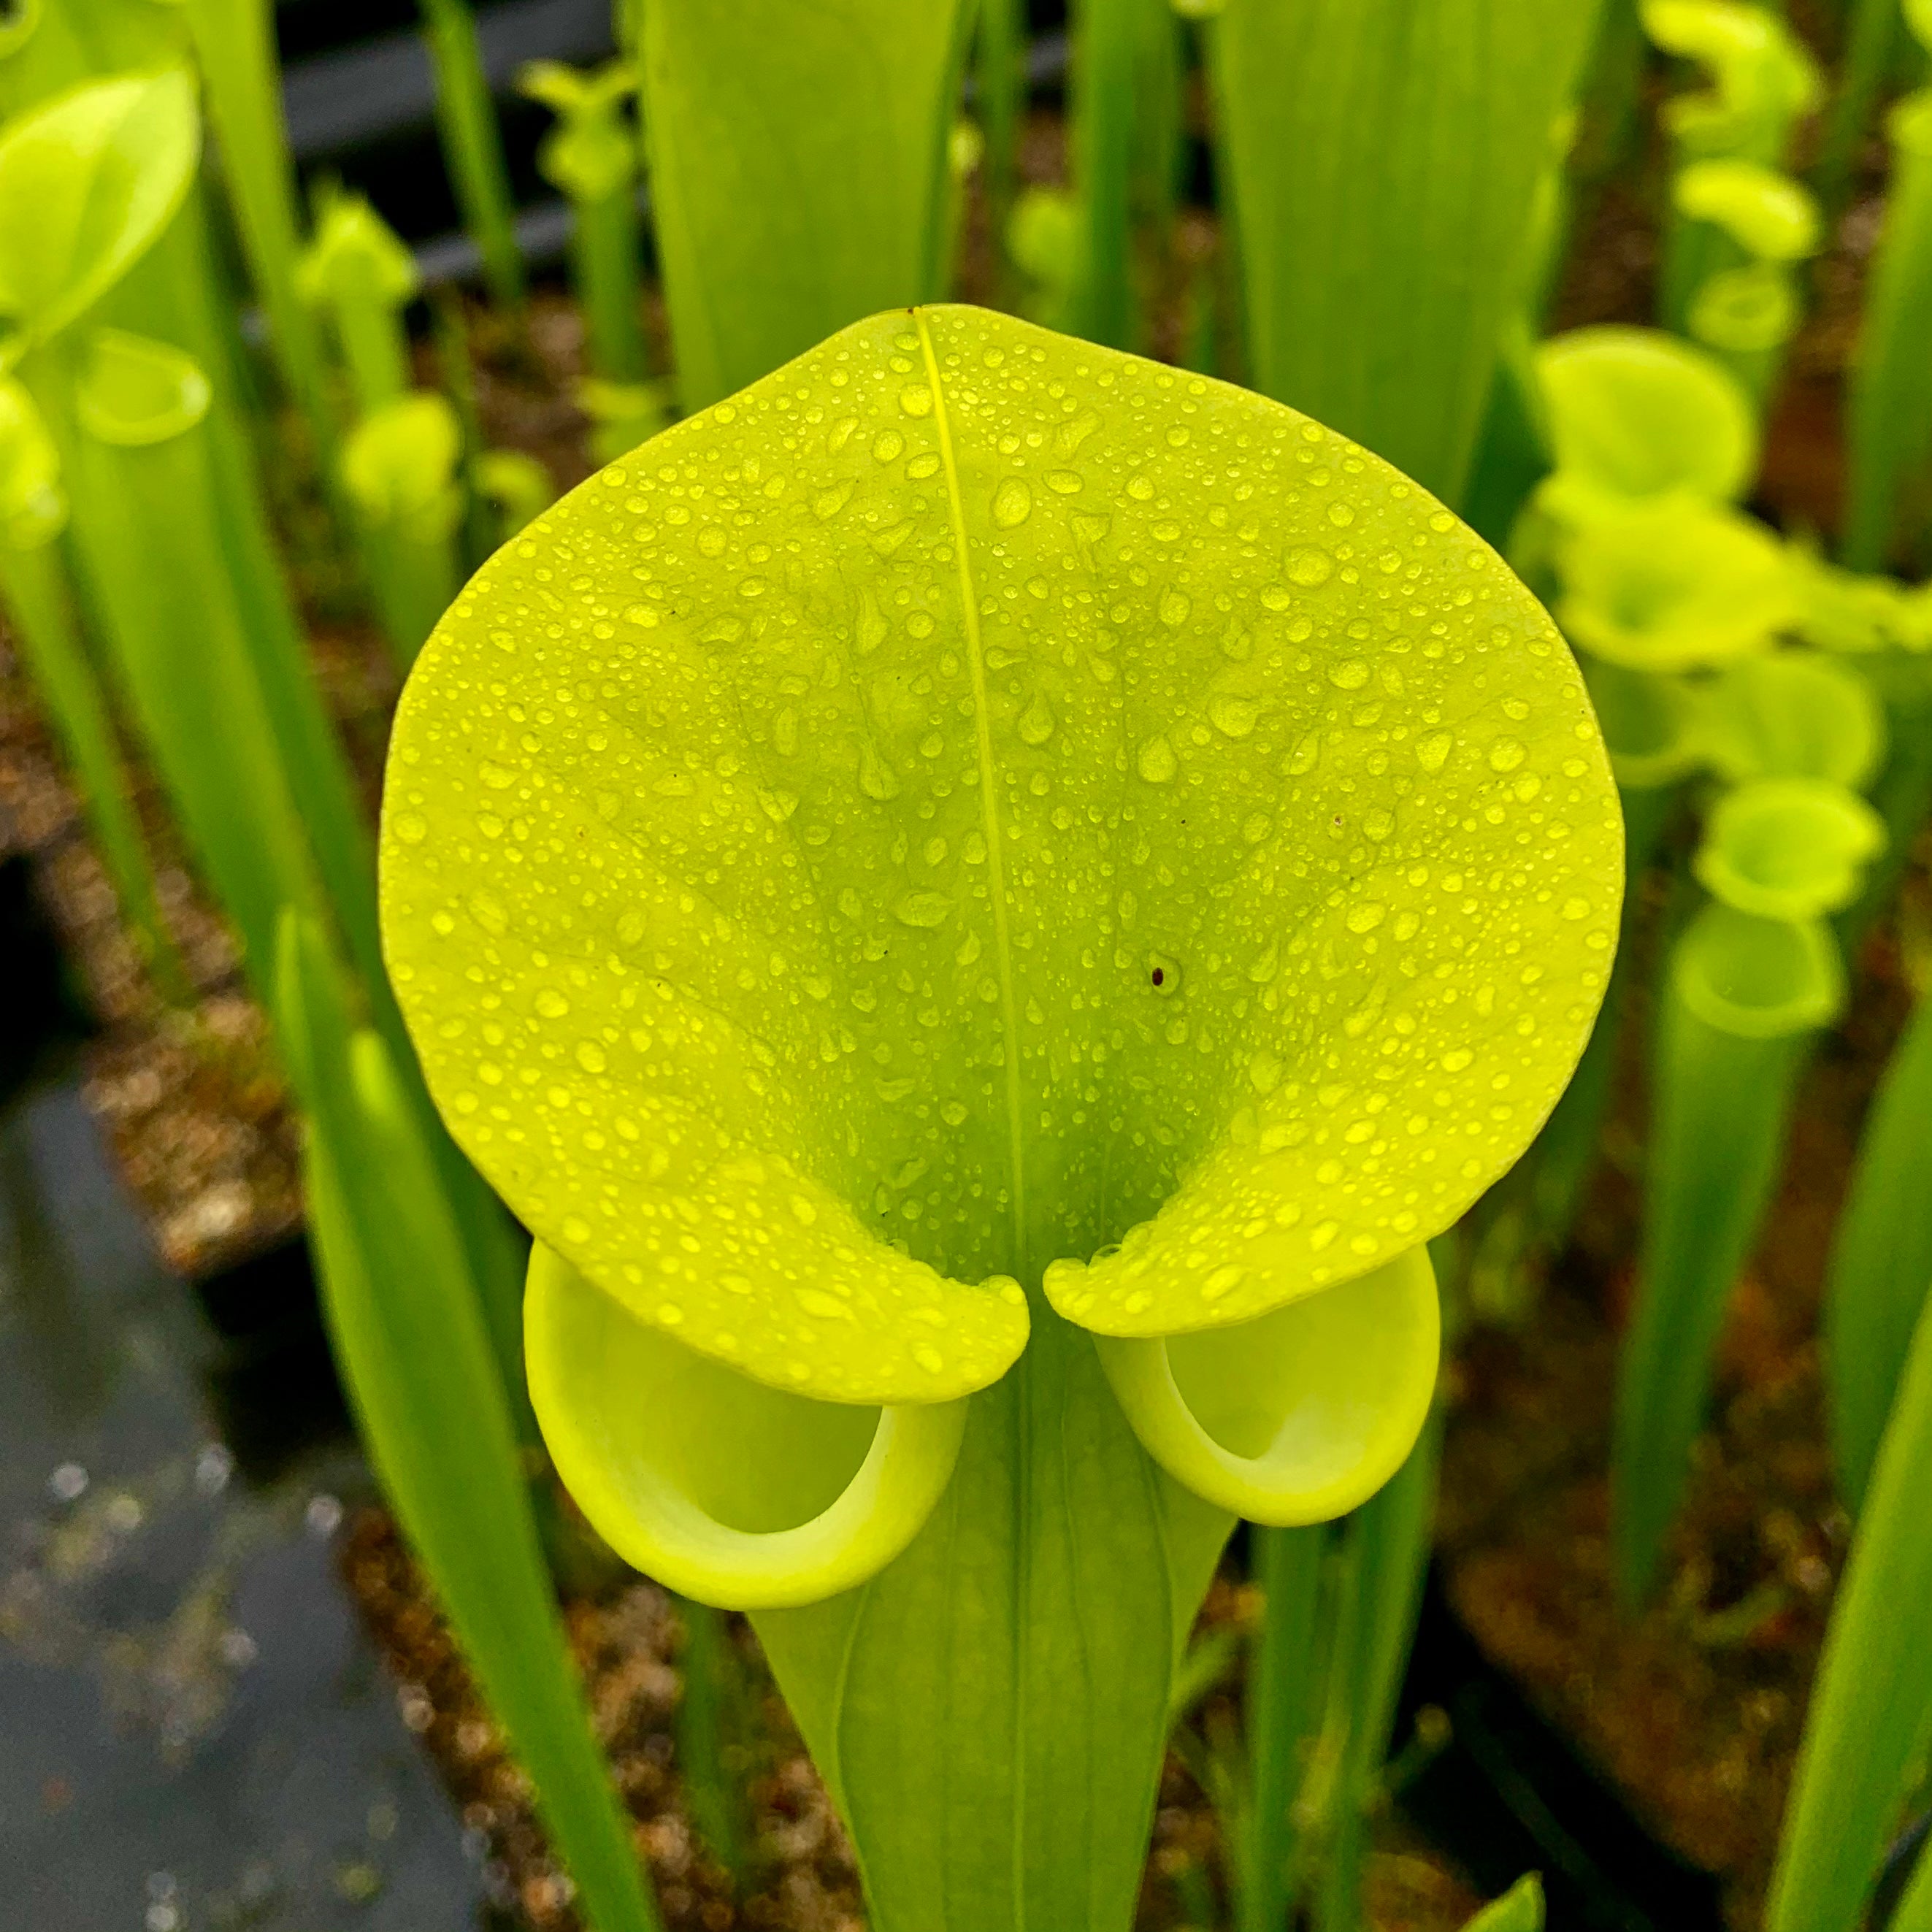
x,y
1694,1707
798,1873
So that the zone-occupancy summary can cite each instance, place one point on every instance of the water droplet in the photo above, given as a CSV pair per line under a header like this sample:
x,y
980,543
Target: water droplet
x,y
778,806
1576,908
1064,482
1157,762
591,1056
1366,916
1265,968
1506,754
498,778
1012,502
1036,722
1350,674
1234,715
1174,606
1306,753
551,1004
803,1209
923,909
875,776
1308,565
915,399
1218,1283
871,626
412,828
829,503
887,444
929,1358
826,1307
1432,753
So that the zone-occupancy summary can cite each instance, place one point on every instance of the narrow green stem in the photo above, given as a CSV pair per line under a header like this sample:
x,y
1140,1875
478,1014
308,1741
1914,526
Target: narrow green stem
x,y
148,533
1721,1103
1284,1709
1881,1272
374,347
1389,1556
1106,37
1000,71
414,575
40,608
473,146
1902,793
1889,415
604,247
459,384
235,43
703,1719
1871,1701
1872,37
179,305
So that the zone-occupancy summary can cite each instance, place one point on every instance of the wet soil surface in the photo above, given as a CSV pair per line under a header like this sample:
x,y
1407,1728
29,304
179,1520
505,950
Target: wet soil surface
x,y
199,1733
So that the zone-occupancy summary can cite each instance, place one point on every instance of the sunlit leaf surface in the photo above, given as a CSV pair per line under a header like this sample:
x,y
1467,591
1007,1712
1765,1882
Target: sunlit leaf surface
x,y
967,796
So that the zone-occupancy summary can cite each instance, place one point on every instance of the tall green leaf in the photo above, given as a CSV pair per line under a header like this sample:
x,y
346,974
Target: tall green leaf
x,y
798,171
1889,416
1383,161
1871,1703
974,835
1740,997
403,1320
472,145
1882,1260
235,46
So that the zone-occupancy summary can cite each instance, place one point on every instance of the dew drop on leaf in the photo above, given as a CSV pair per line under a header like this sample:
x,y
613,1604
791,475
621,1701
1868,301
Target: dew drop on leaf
x,y
1157,762
1012,502
922,909
1232,715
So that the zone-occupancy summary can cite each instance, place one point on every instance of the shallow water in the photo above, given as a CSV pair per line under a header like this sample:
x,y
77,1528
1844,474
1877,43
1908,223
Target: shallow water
x,y
198,1734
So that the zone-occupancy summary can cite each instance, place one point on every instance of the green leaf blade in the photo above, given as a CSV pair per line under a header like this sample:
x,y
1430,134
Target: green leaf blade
x,y
1881,1271
797,169
88,181
404,1321
1871,1702
1383,161
888,853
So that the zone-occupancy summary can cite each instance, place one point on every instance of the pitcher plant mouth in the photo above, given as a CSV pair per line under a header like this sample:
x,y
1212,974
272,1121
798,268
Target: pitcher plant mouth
x,y
974,798
749,1498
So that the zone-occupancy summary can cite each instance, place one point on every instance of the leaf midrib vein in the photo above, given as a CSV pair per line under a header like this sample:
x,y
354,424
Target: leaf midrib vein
x,y
989,806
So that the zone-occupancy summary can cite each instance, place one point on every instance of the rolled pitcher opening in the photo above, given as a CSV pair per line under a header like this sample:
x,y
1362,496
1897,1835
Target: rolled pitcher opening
x,y
1300,1414
730,1492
